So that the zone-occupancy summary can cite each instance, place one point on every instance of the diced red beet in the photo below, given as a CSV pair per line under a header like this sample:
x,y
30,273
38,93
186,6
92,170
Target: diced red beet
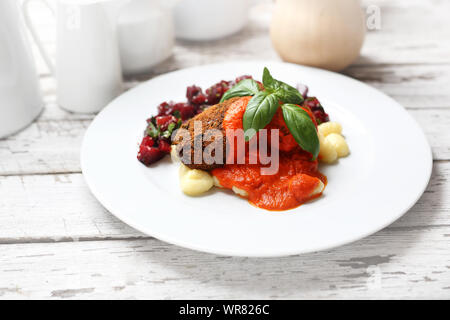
x,y
312,102
216,92
147,141
199,99
321,116
163,122
186,110
147,153
195,95
164,146
164,109
192,92
317,109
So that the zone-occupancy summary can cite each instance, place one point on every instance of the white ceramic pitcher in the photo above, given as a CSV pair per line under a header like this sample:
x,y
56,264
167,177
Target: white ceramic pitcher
x,y
146,34
205,20
20,98
88,69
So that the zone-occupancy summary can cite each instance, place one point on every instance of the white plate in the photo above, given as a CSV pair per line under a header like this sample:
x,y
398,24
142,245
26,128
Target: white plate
x,y
386,173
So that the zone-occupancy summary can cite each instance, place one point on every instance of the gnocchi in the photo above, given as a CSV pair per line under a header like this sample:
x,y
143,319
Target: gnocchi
x,y
327,128
216,182
320,187
240,192
194,182
327,153
332,143
339,144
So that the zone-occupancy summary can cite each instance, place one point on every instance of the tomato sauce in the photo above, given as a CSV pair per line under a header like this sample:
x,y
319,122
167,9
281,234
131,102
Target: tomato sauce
x,y
297,181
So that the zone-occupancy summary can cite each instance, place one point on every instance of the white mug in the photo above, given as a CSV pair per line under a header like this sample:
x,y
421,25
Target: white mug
x,y
203,20
146,34
88,70
20,97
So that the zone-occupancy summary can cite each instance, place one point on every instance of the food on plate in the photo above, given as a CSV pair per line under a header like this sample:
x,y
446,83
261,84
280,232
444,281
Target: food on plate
x,y
339,144
262,140
194,182
327,153
332,143
297,181
210,119
317,109
157,136
329,127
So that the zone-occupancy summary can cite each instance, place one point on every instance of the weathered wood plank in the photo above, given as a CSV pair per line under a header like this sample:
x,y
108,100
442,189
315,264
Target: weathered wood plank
x,y
413,86
411,263
53,146
52,208
435,124
44,147
411,32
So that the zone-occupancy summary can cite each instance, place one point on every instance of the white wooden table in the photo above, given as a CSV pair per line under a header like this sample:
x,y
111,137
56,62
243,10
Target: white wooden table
x,y
57,241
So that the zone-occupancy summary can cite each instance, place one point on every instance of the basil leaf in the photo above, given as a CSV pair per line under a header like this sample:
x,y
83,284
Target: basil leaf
x,y
302,128
246,87
268,81
285,92
288,94
259,112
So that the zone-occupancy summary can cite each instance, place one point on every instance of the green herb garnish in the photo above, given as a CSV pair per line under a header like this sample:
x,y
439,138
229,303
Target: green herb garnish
x,y
302,128
260,111
265,103
152,131
246,87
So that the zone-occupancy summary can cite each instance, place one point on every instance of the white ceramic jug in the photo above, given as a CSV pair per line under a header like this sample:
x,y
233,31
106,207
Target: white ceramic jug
x,y
146,34
20,98
204,20
88,70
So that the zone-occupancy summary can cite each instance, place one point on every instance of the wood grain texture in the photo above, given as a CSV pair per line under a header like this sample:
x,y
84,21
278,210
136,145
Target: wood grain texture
x,y
58,242
412,32
413,86
410,263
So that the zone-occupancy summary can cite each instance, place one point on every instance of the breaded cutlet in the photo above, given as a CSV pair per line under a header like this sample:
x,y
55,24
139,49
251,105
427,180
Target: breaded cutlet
x,y
211,118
